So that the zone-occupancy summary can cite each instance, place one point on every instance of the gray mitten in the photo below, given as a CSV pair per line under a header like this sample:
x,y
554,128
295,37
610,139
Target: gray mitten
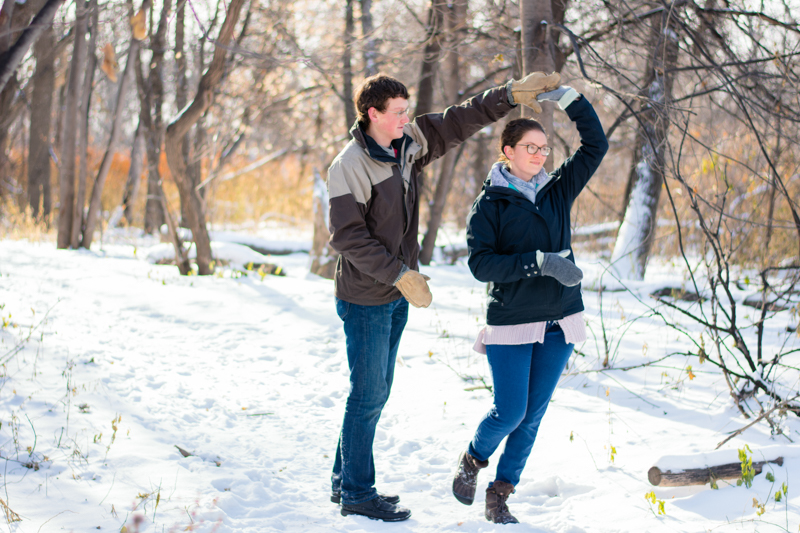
x,y
564,95
559,267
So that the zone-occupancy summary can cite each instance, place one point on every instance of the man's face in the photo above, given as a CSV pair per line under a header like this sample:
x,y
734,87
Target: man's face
x,y
387,125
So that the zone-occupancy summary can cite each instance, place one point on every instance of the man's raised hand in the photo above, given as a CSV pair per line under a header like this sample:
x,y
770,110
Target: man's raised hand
x,y
526,90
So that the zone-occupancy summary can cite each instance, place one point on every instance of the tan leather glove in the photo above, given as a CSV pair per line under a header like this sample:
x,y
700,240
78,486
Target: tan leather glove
x,y
414,287
526,90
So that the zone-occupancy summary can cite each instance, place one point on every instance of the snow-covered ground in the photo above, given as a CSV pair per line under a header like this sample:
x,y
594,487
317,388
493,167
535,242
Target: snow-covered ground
x,y
110,362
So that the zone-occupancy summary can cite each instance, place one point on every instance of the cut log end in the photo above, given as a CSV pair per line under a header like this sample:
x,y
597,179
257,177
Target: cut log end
x,y
654,476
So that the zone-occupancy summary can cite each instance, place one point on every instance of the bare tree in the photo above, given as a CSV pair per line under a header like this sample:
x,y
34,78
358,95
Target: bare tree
x,y
14,44
540,51
78,219
435,32
347,67
10,58
69,140
456,17
44,83
370,45
180,126
635,237
151,102
116,123
134,180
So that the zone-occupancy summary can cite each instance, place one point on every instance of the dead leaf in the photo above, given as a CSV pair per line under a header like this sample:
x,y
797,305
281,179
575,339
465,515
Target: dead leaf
x,y
110,65
183,452
139,25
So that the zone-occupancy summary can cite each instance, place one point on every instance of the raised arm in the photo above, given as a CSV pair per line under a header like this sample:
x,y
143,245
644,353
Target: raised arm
x,y
440,132
578,168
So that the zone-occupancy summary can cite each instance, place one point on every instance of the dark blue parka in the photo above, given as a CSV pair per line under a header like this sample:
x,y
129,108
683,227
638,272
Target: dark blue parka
x,y
504,230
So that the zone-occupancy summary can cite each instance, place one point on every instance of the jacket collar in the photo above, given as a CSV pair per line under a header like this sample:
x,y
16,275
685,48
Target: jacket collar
x,y
373,149
499,184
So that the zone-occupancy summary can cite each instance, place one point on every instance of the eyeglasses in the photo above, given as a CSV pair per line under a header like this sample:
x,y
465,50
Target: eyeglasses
x,y
398,113
533,149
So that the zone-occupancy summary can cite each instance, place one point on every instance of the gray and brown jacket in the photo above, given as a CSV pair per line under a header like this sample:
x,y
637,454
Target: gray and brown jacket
x,y
374,197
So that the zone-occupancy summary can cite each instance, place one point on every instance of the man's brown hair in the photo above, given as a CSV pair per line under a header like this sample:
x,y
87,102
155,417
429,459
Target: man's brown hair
x,y
375,92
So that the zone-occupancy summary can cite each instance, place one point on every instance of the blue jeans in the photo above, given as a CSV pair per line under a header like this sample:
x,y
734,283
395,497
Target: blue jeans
x,y
373,336
524,377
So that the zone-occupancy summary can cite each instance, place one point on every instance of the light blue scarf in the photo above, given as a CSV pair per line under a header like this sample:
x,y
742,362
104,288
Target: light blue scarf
x,y
502,177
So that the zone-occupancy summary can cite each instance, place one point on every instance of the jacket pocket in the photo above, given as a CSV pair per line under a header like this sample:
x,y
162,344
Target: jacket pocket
x,y
497,295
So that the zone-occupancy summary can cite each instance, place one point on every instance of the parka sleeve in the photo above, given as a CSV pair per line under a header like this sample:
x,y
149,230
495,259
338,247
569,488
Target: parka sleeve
x,y
485,260
438,133
578,168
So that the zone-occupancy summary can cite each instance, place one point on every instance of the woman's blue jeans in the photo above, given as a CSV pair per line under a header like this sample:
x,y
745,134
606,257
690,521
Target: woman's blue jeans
x,y
373,336
524,377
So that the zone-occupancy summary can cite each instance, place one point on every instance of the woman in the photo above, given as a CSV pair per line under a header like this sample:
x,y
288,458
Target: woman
x,y
518,234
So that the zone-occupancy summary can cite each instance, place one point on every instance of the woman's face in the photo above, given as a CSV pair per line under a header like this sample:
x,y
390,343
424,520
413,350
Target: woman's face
x,y
522,164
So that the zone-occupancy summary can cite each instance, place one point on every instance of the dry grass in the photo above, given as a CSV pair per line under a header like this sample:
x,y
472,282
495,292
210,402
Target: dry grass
x,y
19,224
10,515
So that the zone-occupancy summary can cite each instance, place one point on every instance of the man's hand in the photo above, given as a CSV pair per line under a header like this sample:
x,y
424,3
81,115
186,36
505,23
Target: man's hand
x,y
559,267
564,95
526,90
414,287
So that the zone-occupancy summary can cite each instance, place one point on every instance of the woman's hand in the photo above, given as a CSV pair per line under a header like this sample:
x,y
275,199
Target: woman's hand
x,y
559,267
564,95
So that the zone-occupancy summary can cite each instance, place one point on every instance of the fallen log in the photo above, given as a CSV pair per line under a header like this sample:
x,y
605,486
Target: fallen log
x,y
701,476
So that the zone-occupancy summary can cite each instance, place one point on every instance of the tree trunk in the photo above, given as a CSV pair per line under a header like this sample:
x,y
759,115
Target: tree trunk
x,y
371,66
431,56
178,129
6,97
635,236
182,89
157,210
701,476
456,19
11,58
105,165
14,17
480,164
6,15
134,175
67,168
323,257
347,68
44,82
540,51
773,189
151,97
78,219
195,156
427,77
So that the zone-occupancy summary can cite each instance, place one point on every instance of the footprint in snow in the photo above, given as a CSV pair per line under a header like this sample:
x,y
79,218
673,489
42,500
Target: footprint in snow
x,y
408,447
550,491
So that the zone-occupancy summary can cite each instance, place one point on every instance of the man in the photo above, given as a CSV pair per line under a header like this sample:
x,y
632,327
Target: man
x,y
374,217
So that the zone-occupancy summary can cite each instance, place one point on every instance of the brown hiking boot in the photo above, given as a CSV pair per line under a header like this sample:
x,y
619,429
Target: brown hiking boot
x,y
466,477
496,509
